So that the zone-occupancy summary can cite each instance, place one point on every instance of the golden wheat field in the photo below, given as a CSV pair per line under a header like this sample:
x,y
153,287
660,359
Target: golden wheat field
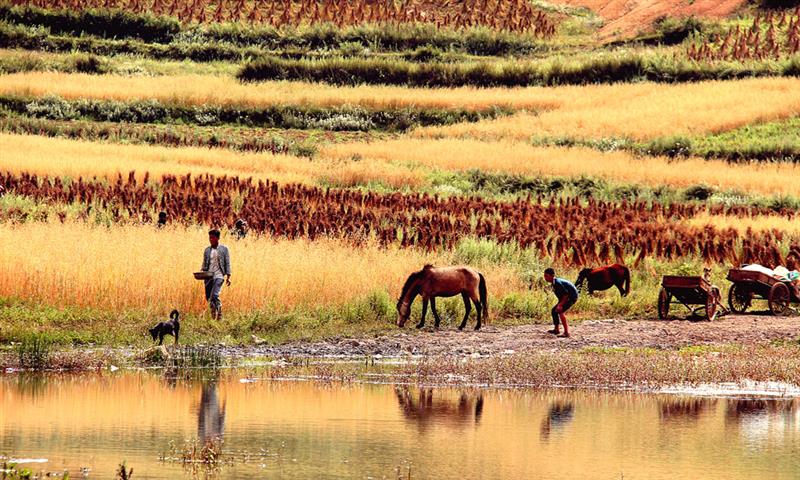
x,y
637,111
620,166
399,163
82,265
642,111
788,224
76,158
226,90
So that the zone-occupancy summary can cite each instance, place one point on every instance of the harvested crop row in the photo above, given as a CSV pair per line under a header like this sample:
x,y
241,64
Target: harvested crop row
x,y
598,232
515,16
771,36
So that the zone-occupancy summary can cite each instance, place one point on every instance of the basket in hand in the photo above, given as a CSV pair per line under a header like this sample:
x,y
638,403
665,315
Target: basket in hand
x,y
203,275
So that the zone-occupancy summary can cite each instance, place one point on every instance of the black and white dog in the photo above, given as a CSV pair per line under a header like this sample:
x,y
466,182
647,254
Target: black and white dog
x,y
171,327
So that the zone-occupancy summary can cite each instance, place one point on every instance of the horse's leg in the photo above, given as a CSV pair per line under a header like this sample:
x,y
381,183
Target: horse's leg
x,y
424,312
435,313
621,286
468,308
478,309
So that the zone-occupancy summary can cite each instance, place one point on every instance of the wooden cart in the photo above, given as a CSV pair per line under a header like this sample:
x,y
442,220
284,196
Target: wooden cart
x,y
749,285
694,293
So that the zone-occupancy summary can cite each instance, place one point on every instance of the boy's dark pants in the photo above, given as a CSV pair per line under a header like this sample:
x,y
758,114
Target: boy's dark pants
x,y
556,320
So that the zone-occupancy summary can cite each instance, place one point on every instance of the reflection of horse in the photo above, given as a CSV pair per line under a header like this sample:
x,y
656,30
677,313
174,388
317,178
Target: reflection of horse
x,y
606,277
432,282
210,416
425,409
736,409
558,416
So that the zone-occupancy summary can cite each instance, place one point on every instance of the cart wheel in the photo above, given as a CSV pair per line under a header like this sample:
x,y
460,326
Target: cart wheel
x,y
664,300
711,304
779,299
739,298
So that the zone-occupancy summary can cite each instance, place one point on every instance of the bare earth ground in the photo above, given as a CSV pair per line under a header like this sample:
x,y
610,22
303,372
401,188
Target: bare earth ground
x,y
624,18
672,334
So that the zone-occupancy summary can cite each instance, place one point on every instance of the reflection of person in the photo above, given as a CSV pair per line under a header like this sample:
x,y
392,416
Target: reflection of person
x,y
567,296
217,260
559,415
210,417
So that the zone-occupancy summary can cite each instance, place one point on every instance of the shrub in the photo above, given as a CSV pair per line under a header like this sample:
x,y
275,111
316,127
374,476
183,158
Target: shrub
x,y
89,64
33,352
698,192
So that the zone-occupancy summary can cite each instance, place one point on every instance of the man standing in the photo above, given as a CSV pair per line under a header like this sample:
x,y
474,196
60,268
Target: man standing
x,y
216,260
567,296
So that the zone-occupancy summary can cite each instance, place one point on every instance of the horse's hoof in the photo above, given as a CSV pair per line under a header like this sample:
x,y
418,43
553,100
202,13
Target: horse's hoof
x,y
460,328
477,328
420,326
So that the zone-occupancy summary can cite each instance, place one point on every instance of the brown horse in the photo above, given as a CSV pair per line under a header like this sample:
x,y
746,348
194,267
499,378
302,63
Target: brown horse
x,y
432,282
606,277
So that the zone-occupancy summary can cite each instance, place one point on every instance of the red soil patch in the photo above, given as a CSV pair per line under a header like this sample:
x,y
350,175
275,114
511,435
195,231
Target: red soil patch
x,y
625,18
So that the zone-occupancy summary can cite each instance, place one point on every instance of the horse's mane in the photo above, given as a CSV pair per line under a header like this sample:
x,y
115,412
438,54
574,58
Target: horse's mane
x,y
410,281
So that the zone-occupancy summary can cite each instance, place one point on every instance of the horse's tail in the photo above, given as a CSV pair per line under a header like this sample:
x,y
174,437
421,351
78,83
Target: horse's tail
x,y
484,297
626,275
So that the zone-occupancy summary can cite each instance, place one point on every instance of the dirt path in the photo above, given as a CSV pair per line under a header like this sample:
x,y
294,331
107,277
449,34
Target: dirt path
x,y
625,18
748,329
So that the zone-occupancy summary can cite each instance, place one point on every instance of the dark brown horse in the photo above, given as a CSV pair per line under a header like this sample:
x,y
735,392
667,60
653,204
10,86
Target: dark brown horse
x,y
432,282
606,277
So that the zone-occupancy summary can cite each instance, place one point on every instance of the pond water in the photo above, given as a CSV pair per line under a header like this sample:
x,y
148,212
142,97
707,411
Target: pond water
x,y
301,429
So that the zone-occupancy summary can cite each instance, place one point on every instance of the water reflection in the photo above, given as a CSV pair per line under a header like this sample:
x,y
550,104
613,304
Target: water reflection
x,y
684,409
32,385
425,409
329,430
559,415
210,415
761,420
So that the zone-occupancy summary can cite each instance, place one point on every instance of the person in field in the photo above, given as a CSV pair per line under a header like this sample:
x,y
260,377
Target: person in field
x,y
240,229
567,295
217,261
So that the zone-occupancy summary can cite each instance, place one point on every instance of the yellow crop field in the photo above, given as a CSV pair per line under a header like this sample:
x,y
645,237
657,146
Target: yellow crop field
x,y
620,166
636,111
139,267
642,111
789,224
224,90
55,156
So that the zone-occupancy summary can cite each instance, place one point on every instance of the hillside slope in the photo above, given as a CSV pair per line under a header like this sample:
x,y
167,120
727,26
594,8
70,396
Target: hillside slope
x,y
624,18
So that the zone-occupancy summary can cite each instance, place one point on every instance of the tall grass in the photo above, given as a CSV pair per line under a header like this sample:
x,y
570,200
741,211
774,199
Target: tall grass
x,y
139,267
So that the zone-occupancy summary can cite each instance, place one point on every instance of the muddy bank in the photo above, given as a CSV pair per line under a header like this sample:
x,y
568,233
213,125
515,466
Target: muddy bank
x,y
492,340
